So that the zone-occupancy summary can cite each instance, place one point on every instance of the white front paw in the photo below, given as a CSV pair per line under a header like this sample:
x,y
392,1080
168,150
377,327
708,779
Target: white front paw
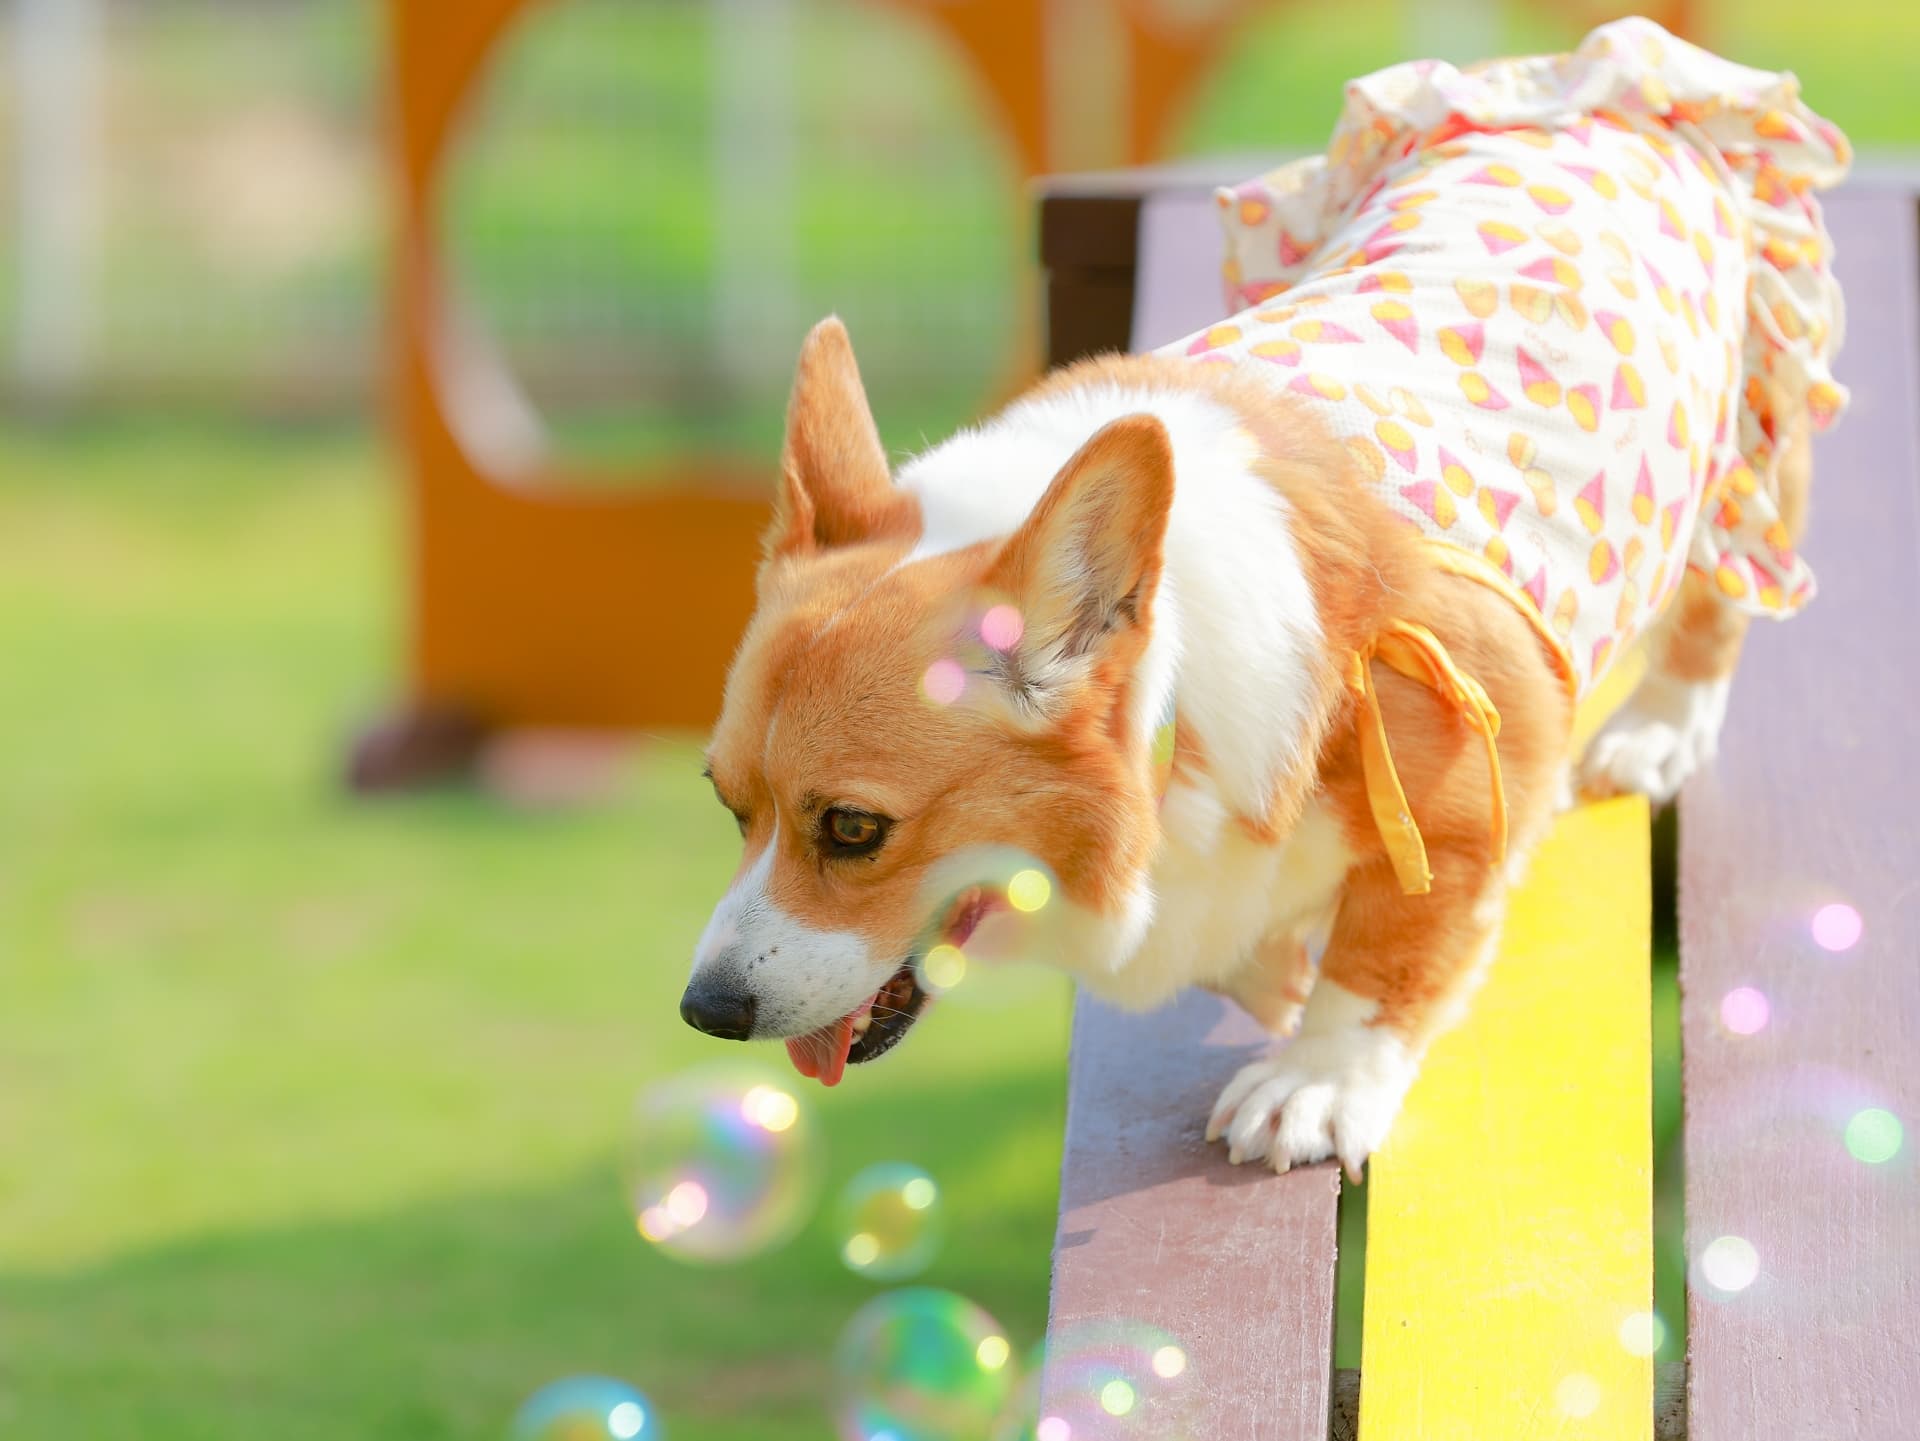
x,y
1666,731
1325,1095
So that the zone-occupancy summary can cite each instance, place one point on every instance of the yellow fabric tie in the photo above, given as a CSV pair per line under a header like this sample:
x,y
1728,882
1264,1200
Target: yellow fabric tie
x,y
1417,653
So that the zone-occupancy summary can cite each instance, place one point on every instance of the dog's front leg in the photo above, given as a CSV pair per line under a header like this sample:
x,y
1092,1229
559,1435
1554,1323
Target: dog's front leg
x,y
1397,971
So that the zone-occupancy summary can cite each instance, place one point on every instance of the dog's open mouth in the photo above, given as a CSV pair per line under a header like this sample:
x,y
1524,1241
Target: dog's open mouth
x,y
879,1023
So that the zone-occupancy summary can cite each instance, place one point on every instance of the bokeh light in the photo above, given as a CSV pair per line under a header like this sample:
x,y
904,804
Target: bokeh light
x,y
1836,927
1874,1136
1102,1380
1029,890
1001,627
891,1227
722,1163
1744,1011
1578,1395
942,968
944,681
1729,1264
587,1408
912,1365
1643,1333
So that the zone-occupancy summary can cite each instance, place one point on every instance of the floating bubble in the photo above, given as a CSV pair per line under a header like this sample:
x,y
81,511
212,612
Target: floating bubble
x,y
1578,1395
722,1163
1029,890
1730,1264
1001,627
921,1365
1874,1136
1101,1380
943,681
587,1408
1836,927
891,1225
1643,1333
1744,1011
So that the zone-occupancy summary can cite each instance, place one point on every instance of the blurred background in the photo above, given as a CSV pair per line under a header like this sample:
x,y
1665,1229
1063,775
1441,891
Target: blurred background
x,y
309,1106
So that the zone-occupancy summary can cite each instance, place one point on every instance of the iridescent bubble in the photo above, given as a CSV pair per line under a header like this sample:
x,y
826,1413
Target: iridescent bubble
x,y
921,1365
722,1163
1730,1264
1836,927
1001,627
1102,1379
1744,1011
1643,1333
891,1226
1874,1136
943,681
587,1408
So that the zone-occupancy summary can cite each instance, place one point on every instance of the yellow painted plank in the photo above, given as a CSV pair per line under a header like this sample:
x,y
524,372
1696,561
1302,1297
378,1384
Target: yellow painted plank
x,y
1510,1213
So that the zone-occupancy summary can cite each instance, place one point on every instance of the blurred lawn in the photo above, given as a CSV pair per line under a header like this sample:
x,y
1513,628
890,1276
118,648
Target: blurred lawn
x,y
310,1107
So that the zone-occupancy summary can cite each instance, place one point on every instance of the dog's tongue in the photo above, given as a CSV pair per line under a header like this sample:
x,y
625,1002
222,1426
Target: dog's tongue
x,y
805,1052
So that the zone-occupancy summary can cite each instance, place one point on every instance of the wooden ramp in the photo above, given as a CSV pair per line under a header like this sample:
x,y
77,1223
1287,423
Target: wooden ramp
x,y
1510,1231
1509,1257
1803,1196
1510,1215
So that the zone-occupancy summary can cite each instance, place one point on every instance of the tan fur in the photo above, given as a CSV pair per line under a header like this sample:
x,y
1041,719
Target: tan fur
x,y
1411,954
840,643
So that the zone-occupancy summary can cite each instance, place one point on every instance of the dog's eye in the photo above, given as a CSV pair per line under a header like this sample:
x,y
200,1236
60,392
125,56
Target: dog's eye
x,y
851,833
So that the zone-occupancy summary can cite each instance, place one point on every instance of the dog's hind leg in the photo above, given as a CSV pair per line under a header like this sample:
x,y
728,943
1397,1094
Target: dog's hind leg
x,y
1670,726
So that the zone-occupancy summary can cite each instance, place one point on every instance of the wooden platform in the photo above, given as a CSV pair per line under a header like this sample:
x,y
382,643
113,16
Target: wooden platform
x,y
1510,1235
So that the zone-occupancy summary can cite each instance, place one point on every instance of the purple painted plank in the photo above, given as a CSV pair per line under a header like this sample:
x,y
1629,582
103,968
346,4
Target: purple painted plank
x,y
1177,287
1814,802
1156,1227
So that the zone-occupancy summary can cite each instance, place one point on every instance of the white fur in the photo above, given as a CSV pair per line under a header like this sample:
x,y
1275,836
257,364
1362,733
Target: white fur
x,y
1221,893
1666,731
1333,1091
1235,634
801,977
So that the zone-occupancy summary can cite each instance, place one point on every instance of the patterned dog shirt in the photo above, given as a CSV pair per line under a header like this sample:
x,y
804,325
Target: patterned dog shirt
x,y
1555,308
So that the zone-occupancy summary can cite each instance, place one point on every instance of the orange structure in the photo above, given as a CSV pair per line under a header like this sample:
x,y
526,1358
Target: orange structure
x,y
554,603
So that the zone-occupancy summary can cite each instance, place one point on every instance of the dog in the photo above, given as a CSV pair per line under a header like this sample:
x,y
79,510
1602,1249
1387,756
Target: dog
x,y
1264,649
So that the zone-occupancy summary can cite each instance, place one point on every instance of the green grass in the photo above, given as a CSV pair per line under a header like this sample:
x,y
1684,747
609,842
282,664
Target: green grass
x,y
310,1107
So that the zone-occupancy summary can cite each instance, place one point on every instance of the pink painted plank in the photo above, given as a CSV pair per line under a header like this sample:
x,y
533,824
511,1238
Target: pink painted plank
x,y
1156,1228
1814,801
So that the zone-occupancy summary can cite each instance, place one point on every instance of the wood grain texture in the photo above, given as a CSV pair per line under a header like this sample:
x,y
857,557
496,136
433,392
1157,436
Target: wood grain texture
x,y
1814,801
1156,1227
1510,1213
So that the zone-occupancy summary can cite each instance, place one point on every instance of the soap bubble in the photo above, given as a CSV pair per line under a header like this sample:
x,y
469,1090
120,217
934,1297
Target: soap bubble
x,y
587,1408
723,1163
890,1222
921,1365
1102,1379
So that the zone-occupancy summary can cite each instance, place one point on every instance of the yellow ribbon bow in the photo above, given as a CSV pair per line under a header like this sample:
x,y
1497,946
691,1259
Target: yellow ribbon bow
x,y
1417,653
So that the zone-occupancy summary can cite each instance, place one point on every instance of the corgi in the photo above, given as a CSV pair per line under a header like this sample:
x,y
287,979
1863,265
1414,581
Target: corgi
x,y
1264,649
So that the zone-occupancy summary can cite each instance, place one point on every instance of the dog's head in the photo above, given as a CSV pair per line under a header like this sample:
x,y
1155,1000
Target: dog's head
x,y
899,722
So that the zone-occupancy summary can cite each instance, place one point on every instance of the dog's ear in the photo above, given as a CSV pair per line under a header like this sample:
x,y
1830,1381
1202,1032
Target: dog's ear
x,y
1084,567
835,487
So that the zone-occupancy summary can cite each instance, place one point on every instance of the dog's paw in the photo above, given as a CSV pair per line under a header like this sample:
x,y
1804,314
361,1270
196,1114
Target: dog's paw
x,y
1325,1095
1666,731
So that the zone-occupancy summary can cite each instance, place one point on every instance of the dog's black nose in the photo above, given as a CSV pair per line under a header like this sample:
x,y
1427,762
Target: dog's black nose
x,y
723,1013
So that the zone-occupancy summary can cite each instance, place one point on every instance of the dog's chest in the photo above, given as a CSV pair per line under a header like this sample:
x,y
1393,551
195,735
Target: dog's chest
x,y
1219,894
